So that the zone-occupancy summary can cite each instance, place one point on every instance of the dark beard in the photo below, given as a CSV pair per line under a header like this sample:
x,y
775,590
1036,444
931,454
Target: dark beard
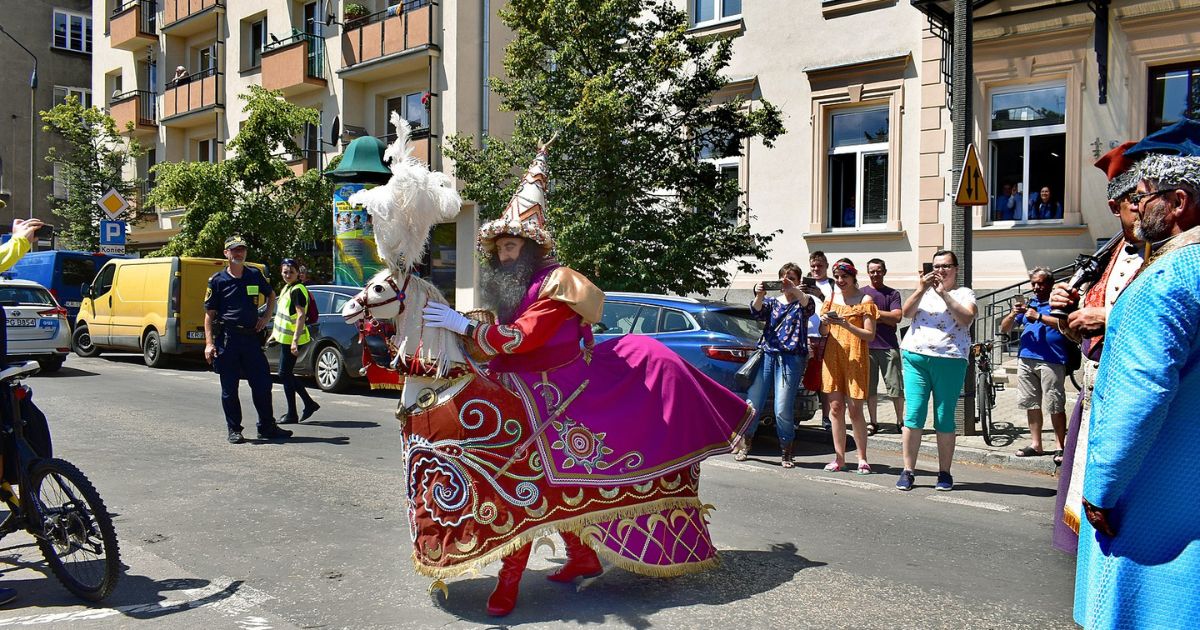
x,y
502,287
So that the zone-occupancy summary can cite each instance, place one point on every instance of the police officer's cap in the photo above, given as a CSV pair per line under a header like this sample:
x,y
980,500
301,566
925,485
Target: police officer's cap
x,y
235,241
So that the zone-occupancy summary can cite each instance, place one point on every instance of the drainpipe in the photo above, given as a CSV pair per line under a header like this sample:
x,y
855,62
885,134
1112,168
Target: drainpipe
x,y
485,85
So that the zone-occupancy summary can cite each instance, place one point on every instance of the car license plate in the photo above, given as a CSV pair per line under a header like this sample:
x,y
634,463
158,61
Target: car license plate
x,y
195,334
22,321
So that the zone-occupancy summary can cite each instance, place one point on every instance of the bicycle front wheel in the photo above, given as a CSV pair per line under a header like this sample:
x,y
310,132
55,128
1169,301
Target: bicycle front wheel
x,y
983,405
76,532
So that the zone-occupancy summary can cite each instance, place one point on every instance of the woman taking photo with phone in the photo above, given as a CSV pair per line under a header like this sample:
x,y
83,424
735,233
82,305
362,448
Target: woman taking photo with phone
x,y
934,356
848,319
784,345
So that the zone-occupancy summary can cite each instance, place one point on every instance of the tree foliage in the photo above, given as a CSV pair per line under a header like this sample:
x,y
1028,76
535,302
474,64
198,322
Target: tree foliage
x,y
94,160
631,96
253,192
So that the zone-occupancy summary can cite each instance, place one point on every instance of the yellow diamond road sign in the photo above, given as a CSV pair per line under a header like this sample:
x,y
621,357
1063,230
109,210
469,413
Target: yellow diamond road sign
x,y
972,187
113,204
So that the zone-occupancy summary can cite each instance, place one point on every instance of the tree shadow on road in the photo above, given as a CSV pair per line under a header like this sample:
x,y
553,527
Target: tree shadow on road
x,y
67,372
633,598
342,424
989,487
337,440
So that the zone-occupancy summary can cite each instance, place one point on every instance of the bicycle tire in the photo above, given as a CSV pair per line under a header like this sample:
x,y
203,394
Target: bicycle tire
x,y
73,519
983,404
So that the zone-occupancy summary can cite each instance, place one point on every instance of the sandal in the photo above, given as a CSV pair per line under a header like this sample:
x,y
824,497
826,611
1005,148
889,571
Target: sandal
x,y
872,428
1029,451
833,466
864,468
741,450
786,462
1058,458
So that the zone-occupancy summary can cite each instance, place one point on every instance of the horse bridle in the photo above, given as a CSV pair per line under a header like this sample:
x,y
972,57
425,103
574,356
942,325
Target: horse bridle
x,y
398,296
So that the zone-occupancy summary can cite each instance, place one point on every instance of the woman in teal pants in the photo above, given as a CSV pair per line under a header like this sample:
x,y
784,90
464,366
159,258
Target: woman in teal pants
x,y
934,355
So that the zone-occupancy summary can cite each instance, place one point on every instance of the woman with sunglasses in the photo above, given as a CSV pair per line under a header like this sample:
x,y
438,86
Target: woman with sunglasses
x,y
934,356
291,332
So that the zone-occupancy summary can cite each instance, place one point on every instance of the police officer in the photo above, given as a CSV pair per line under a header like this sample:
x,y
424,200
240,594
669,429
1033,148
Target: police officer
x,y
231,343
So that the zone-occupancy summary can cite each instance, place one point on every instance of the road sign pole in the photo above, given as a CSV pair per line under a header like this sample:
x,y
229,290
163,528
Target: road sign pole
x,y
960,223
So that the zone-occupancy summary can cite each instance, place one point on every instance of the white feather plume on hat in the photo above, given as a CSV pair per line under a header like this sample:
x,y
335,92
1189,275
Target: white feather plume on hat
x,y
406,208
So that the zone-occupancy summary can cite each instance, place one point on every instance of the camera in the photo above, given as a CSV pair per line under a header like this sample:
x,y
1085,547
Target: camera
x,y
772,285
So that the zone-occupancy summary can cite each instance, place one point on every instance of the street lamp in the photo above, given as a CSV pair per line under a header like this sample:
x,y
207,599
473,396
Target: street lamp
x,y
32,113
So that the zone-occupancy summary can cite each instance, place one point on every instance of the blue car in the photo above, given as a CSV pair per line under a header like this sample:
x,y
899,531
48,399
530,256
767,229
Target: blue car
x,y
716,337
63,272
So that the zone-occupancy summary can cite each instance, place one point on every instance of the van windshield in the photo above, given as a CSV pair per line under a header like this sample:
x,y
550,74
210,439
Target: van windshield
x,y
12,296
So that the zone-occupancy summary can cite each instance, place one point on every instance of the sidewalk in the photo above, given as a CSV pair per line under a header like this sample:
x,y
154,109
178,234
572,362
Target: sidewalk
x,y
1013,433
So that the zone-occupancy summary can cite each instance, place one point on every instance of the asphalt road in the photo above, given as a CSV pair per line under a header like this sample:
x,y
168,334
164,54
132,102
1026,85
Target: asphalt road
x,y
311,533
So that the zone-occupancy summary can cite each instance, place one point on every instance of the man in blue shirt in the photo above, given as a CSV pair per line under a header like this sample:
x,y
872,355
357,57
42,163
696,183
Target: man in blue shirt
x,y
1041,371
231,340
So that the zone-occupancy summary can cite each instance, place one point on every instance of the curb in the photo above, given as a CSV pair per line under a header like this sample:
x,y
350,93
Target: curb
x,y
962,454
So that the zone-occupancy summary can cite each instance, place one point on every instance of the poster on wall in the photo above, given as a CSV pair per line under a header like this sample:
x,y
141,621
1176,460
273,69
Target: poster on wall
x,y
355,258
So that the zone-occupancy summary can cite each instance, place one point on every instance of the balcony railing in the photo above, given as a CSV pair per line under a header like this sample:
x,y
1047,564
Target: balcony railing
x,y
137,107
314,45
192,93
421,141
133,25
398,28
295,64
175,11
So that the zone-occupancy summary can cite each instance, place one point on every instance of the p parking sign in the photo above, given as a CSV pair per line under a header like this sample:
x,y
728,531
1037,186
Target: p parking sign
x,y
112,237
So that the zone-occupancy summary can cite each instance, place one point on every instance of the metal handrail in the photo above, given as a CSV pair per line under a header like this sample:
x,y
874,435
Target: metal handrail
x,y
195,79
179,17
146,106
420,133
203,74
994,306
392,11
315,66
149,17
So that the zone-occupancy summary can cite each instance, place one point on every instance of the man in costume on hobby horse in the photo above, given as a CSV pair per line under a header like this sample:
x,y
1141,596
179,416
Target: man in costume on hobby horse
x,y
603,411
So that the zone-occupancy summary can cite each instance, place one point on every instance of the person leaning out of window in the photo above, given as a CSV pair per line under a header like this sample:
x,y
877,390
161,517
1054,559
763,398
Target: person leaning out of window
x,y
934,356
785,353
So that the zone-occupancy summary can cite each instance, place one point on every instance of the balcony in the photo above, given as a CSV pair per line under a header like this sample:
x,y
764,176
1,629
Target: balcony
x,y
392,41
134,112
133,25
421,141
187,99
295,65
189,17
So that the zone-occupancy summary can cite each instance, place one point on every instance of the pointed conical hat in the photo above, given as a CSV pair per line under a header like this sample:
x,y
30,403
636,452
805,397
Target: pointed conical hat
x,y
525,214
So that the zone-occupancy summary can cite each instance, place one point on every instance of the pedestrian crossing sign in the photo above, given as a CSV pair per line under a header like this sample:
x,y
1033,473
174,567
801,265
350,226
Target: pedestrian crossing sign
x,y
972,186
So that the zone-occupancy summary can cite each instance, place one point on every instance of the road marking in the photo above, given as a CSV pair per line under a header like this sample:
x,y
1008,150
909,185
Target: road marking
x,y
351,403
720,463
995,507
862,485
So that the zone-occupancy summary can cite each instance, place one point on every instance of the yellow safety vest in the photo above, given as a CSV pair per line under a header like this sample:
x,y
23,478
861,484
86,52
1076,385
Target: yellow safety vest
x,y
286,319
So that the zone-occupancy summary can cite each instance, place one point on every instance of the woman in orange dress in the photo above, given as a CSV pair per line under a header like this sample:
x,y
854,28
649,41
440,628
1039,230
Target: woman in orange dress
x,y
848,318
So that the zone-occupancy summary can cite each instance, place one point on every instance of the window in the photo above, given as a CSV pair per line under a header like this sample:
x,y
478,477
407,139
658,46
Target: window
x,y
674,321
206,58
339,301
1026,153
206,151
76,271
858,168
258,40
83,95
13,296
618,318
725,155
61,189
1174,95
646,322
104,280
323,300
410,108
72,31
712,11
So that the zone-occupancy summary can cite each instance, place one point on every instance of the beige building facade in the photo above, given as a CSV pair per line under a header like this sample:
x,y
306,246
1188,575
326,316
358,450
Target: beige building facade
x,y
174,70
865,170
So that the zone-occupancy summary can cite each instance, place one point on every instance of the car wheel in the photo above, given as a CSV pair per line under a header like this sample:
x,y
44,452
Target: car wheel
x,y
330,370
52,364
152,351
82,340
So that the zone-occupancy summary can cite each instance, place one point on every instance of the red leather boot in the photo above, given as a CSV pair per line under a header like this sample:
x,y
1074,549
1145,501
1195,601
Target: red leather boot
x,y
504,598
581,561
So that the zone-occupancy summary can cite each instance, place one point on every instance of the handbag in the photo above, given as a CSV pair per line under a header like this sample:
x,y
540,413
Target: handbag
x,y
744,377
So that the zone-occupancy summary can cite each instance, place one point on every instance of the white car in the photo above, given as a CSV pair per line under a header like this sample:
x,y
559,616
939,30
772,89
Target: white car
x,y
37,325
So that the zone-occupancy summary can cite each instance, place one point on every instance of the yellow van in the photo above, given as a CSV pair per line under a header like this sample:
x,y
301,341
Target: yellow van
x,y
150,305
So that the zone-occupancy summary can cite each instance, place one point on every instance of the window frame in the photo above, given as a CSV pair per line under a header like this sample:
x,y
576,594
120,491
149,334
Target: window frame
x,y
87,31
860,151
662,318
254,48
81,93
718,12
211,144
1027,134
1153,72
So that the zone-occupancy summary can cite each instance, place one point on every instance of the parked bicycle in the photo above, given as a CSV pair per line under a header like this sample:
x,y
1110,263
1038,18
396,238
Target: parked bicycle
x,y
54,502
985,388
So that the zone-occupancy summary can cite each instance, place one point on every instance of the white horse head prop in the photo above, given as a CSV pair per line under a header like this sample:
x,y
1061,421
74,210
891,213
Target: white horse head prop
x,y
382,298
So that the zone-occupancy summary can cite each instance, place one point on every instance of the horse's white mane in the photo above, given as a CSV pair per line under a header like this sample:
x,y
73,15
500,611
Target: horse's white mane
x,y
438,347
405,209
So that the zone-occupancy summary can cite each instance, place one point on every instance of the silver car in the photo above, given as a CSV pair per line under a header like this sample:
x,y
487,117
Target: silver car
x,y
37,325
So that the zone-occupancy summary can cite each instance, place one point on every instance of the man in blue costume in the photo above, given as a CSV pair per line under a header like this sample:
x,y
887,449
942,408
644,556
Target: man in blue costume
x,y
1139,549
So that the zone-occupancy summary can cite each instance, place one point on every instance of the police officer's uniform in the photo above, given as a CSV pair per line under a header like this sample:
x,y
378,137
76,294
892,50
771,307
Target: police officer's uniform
x,y
239,351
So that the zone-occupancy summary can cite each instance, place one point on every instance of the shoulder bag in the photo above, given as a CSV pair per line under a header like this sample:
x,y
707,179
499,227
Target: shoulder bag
x,y
745,375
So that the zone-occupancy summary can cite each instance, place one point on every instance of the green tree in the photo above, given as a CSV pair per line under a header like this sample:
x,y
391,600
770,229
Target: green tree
x,y
93,161
253,193
630,94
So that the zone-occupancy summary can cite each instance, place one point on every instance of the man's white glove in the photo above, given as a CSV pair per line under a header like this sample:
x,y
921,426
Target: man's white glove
x,y
442,316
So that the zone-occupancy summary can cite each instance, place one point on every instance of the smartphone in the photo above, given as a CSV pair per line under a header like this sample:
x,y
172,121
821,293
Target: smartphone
x,y
772,285
808,282
45,233
926,268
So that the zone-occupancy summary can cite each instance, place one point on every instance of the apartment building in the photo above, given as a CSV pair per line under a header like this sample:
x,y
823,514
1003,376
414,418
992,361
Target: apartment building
x,y
175,68
864,170
59,33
